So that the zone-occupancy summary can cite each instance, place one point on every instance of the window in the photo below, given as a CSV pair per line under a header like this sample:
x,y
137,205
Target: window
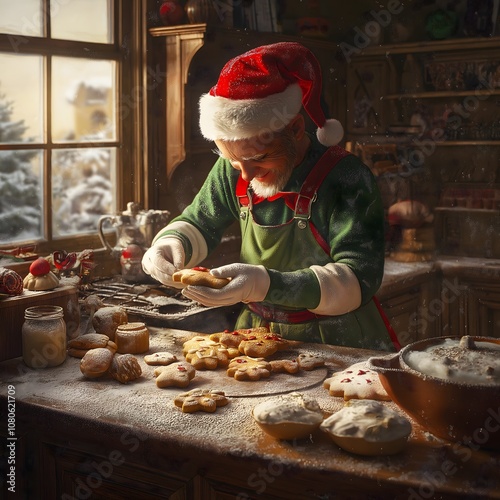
x,y
66,141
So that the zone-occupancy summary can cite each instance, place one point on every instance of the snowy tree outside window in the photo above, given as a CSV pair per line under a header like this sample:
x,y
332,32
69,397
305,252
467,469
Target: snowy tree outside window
x,y
20,182
60,137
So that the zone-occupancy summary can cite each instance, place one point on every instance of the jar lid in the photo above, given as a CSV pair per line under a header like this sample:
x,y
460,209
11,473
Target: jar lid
x,y
131,327
43,312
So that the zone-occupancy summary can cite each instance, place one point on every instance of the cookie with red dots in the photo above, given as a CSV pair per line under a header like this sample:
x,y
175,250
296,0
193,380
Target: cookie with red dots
x,y
356,382
229,338
248,368
175,375
262,345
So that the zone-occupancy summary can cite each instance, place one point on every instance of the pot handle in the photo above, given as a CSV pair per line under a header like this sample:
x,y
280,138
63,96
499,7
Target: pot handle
x,y
385,364
100,224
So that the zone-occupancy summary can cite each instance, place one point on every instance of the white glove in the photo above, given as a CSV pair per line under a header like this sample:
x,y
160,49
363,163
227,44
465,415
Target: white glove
x,y
249,283
162,260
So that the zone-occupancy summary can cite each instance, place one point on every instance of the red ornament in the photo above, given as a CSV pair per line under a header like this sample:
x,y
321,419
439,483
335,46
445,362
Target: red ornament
x,y
171,13
39,267
64,260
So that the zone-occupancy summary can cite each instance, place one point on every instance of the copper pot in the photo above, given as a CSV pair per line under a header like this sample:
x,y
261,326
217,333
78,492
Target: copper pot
x,y
462,412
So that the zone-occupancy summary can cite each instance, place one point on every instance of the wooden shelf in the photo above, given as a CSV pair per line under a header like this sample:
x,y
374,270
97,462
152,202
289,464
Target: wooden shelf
x,y
491,211
440,94
467,143
454,44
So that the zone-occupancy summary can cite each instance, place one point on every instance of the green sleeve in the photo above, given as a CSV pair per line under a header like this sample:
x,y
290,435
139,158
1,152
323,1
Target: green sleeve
x,y
298,289
214,207
356,223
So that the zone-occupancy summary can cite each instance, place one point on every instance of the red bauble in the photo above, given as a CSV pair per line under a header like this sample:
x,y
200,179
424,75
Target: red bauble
x,y
40,267
171,13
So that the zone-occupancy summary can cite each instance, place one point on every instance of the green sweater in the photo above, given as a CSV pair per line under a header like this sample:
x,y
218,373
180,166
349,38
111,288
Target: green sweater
x,y
348,213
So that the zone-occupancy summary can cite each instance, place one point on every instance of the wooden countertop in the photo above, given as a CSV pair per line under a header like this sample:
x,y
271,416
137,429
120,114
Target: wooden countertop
x,y
397,274
61,400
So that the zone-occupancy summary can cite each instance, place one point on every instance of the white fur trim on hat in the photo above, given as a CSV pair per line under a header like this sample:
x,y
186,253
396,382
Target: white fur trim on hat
x,y
233,119
331,133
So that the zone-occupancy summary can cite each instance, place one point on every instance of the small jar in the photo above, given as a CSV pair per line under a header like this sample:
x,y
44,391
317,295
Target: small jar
x,y
44,336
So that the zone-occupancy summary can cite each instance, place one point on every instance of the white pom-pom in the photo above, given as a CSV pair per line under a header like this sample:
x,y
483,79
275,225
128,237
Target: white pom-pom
x,y
331,133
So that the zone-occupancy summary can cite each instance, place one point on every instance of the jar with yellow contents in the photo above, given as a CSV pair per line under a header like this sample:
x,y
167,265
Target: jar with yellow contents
x,y
44,336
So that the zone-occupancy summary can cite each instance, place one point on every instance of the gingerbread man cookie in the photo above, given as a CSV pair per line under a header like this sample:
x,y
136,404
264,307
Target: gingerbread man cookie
x,y
261,345
177,374
309,362
229,338
208,358
356,382
197,342
248,368
284,366
201,399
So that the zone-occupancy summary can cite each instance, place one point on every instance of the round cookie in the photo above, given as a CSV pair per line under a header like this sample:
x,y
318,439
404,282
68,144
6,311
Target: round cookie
x,y
163,358
356,382
199,276
368,428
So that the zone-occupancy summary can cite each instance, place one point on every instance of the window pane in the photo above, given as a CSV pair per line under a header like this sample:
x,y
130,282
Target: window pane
x,y
21,98
82,188
82,20
21,18
83,100
21,186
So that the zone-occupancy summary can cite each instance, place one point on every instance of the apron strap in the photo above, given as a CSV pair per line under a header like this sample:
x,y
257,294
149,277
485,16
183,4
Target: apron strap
x,y
300,202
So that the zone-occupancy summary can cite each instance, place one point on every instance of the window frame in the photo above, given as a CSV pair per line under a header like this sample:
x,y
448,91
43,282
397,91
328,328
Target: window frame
x,y
128,50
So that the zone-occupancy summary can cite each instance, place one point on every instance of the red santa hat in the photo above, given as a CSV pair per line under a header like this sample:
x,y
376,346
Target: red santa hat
x,y
262,90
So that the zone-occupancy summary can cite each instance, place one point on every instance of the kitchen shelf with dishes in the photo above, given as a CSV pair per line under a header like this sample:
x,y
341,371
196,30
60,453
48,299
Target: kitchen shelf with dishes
x,y
426,84
436,103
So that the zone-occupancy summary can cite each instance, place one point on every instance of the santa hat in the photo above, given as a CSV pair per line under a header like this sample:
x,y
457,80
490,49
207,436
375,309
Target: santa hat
x,y
262,90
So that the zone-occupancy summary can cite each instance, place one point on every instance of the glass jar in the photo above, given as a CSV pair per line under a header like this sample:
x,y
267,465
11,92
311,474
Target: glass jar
x,y
44,336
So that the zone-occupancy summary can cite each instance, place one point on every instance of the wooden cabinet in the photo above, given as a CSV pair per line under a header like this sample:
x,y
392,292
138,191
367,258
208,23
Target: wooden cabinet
x,y
471,301
437,102
409,303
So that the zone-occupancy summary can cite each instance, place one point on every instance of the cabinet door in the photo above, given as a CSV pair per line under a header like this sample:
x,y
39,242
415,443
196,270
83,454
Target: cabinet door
x,y
483,308
69,474
403,313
